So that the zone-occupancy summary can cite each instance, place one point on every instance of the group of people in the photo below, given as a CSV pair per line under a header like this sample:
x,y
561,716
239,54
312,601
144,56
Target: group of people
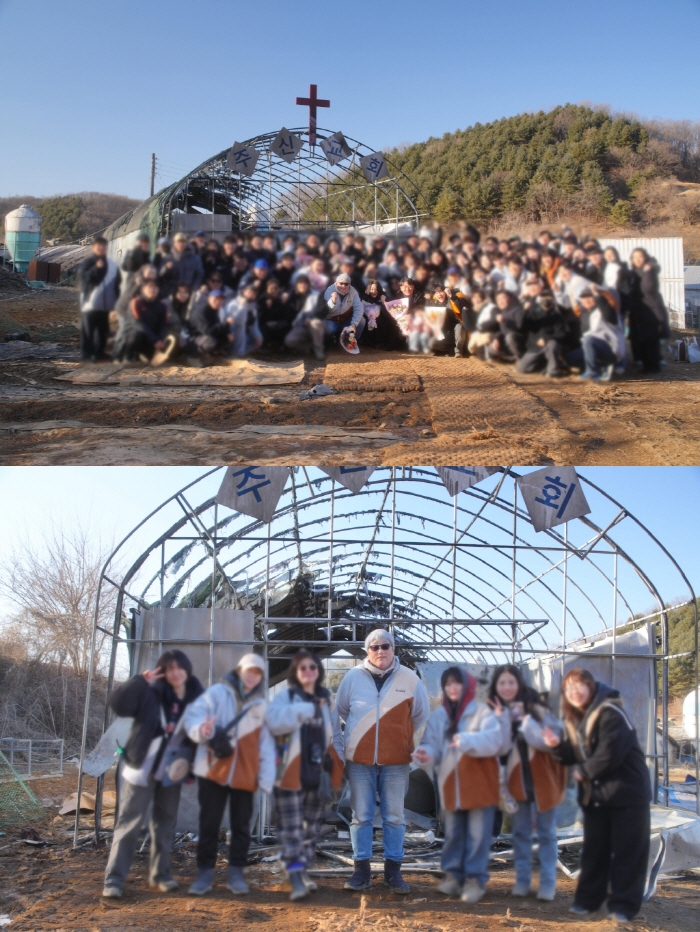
x,y
508,754
554,303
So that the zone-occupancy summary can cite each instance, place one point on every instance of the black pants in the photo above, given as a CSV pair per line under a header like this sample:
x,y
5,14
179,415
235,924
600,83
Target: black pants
x,y
615,852
546,357
648,352
94,330
135,343
212,802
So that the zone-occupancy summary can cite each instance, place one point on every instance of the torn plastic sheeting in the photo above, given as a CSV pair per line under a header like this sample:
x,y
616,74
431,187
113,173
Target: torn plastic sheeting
x,y
101,758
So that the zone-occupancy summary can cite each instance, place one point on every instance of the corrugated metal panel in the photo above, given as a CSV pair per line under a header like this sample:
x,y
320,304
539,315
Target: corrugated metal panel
x,y
692,274
668,252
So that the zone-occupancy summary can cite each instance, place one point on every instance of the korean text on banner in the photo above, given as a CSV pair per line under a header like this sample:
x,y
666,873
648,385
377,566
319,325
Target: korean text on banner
x,y
253,490
458,478
553,496
242,158
352,477
286,145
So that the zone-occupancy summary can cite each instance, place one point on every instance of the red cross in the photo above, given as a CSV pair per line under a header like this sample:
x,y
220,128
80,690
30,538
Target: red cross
x,y
312,102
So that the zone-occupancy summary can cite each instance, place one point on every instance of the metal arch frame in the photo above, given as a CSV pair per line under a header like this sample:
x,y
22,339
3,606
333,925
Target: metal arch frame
x,y
279,186
257,540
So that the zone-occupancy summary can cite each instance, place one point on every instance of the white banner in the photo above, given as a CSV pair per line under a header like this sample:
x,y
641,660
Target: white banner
x,y
335,148
253,490
352,477
374,166
286,145
242,158
553,496
458,478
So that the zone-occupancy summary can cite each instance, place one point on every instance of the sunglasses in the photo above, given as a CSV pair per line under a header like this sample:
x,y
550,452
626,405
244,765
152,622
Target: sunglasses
x,y
307,668
376,647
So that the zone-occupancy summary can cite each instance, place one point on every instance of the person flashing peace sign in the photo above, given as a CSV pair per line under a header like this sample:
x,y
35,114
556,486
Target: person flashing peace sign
x,y
156,700
235,757
532,776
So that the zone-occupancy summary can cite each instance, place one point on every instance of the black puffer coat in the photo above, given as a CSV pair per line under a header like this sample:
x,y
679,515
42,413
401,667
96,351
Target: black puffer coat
x,y
604,745
136,699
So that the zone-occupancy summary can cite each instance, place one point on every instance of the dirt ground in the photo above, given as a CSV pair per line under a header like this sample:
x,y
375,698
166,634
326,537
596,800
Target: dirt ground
x,y
57,887
395,408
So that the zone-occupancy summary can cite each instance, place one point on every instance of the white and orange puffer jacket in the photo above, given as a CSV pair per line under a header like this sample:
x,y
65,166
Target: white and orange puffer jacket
x,y
251,766
380,724
286,714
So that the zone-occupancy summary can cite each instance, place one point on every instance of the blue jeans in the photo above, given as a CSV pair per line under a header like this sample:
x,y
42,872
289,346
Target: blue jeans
x,y
594,353
419,342
392,782
465,853
546,823
246,338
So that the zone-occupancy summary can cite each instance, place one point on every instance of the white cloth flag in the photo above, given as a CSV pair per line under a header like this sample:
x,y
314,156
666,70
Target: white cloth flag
x,y
242,158
335,148
553,496
458,478
286,145
253,490
352,477
374,167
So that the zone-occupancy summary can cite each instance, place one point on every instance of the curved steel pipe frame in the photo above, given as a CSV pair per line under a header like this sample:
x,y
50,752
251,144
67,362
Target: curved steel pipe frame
x,y
354,552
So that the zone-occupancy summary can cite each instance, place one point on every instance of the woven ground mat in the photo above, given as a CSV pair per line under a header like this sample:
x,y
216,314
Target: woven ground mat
x,y
379,375
467,395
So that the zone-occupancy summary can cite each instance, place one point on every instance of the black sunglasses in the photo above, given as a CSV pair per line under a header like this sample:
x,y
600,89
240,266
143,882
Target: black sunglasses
x,y
380,646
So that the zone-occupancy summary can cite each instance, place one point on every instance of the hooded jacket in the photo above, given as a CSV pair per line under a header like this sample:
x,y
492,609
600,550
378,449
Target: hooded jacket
x,y
468,774
380,723
532,773
285,715
145,703
252,763
604,745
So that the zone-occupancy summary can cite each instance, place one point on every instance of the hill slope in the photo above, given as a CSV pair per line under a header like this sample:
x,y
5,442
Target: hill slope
x,y
71,216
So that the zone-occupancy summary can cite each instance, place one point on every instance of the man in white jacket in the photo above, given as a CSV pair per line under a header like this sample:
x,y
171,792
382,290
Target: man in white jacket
x,y
382,704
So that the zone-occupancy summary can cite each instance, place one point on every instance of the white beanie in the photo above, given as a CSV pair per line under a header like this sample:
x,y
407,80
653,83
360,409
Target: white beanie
x,y
251,660
379,634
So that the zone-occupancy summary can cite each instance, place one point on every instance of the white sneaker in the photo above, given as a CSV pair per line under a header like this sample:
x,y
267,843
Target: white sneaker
x,y
450,886
472,891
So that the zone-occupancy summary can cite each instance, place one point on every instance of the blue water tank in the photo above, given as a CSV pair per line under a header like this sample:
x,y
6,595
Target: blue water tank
x,y
22,235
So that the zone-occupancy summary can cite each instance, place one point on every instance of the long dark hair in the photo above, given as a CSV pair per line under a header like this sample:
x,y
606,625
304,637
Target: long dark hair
x,y
569,711
526,694
293,679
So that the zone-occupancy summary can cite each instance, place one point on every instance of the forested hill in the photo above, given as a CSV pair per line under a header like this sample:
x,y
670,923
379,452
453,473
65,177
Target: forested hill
x,y
571,162
69,217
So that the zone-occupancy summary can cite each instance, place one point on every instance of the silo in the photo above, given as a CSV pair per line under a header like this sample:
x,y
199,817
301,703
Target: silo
x,y
22,235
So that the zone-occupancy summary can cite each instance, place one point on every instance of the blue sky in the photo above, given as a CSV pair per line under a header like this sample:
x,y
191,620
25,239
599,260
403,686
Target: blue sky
x,y
92,87
110,501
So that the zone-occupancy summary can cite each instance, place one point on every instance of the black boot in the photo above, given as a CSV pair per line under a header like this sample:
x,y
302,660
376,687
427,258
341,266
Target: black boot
x,y
393,878
361,879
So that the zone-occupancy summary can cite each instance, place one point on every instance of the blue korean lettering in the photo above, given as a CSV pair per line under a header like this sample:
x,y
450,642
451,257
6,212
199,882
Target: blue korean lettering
x,y
553,491
375,165
335,148
243,156
286,147
249,475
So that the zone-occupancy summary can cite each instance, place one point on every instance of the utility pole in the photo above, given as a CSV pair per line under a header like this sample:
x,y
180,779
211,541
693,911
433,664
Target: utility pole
x,y
153,173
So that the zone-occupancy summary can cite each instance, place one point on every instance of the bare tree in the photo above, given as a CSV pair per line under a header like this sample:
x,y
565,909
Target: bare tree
x,y
54,589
